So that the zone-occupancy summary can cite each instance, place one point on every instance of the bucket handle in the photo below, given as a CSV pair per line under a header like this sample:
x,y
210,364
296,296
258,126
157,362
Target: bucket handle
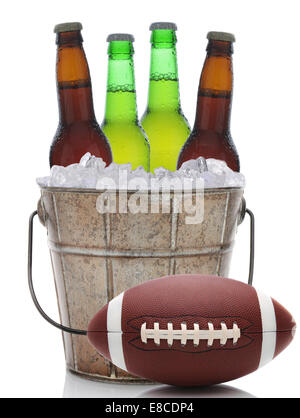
x,y
31,288
81,332
252,241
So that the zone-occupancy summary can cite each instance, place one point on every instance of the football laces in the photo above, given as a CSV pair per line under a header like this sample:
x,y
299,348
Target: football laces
x,y
196,334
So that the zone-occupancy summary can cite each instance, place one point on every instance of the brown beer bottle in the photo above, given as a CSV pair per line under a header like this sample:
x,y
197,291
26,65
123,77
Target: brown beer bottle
x,y
210,137
78,131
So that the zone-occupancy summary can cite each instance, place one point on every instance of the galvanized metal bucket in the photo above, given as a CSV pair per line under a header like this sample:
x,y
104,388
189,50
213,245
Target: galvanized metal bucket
x,y
97,256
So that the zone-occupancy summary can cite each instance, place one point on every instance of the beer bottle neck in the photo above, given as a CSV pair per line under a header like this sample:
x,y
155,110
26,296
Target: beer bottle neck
x,y
163,86
215,89
120,94
73,80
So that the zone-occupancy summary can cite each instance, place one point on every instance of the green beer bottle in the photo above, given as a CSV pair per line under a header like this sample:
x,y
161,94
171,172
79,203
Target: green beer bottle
x,y
163,120
127,139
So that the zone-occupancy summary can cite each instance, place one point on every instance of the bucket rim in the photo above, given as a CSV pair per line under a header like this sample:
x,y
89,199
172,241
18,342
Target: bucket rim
x,y
91,190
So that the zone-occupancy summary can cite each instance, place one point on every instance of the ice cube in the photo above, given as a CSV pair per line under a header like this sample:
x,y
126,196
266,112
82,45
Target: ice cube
x,y
212,180
202,164
161,172
217,166
125,167
189,165
193,168
90,170
43,181
84,159
96,163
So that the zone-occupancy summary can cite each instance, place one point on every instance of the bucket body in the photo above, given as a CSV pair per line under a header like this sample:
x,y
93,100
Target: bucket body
x,y
96,256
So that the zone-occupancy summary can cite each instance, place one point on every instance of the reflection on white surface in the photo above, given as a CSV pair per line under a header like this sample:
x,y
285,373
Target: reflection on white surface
x,y
216,391
78,387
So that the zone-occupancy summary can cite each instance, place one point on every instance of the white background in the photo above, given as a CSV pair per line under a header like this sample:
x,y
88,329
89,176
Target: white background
x,y
265,129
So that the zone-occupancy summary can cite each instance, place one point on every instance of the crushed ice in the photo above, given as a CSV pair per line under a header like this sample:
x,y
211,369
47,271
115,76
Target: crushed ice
x,y
88,172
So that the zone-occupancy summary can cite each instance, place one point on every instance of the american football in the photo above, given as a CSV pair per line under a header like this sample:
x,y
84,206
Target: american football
x,y
191,330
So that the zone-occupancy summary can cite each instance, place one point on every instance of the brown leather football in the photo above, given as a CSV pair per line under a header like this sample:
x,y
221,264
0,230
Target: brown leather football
x,y
191,330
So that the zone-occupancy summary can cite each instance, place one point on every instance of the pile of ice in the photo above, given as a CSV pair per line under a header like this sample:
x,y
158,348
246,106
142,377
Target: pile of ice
x,y
90,172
